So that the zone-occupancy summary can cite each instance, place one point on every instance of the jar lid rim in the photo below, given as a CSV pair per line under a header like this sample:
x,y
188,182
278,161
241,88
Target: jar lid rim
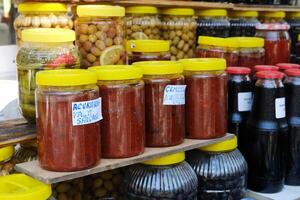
x,y
293,72
269,75
167,160
238,70
285,66
265,68
226,145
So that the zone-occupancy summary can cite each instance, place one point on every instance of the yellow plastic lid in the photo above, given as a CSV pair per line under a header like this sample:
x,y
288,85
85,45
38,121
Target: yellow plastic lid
x,y
274,14
245,42
160,67
147,45
167,160
100,11
226,145
23,187
141,10
6,153
48,35
293,15
178,11
203,64
65,77
41,7
117,72
212,12
217,41
243,13
298,37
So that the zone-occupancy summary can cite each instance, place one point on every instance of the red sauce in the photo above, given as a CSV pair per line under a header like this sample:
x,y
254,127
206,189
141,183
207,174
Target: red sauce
x,y
138,57
123,124
164,123
250,59
231,58
277,51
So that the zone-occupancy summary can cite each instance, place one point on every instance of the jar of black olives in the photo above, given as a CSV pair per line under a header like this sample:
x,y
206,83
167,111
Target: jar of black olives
x,y
242,23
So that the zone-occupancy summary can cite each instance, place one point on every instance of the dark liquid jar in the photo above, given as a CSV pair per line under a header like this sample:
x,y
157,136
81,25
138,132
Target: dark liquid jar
x,y
264,145
292,90
243,23
206,98
68,115
293,19
239,100
258,68
123,107
165,103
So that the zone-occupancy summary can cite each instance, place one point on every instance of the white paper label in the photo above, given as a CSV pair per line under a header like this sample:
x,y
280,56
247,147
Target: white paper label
x,y
280,108
244,101
86,112
174,95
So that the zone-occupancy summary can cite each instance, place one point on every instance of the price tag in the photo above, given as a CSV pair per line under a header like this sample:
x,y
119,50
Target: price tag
x,y
174,95
280,108
244,101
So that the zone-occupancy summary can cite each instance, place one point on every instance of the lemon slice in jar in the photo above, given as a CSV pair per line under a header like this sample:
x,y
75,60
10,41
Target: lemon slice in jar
x,y
112,55
139,36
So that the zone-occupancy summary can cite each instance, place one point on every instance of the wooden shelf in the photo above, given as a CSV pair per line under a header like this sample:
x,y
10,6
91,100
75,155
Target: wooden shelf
x,y
288,193
33,169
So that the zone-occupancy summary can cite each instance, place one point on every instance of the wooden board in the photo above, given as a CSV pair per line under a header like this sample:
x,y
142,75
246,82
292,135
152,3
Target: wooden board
x,y
288,193
33,169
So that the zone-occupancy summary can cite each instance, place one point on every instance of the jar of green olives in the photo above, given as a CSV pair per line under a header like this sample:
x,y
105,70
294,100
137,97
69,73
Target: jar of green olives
x,y
42,49
67,190
179,27
6,165
142,22
41,15
100,34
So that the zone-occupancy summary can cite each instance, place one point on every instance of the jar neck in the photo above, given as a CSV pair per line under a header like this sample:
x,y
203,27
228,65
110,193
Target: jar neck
x,y
146,76
269,83
239,77
66,88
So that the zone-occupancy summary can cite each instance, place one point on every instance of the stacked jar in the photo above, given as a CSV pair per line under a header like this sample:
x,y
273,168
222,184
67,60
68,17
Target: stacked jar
x,y
293,19
142,23
42,49
243,23
179,27
100,34
212,22
41,15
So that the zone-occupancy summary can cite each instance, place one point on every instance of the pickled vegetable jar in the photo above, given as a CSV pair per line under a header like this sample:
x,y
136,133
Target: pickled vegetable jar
x,y
71,189
215,47
100,34
293,19
70,97
206,98
6,165
286,66
168,177
221,171
123,108
42,49
147,50
41,15
179,27
164,101
243,23
142,23
212,22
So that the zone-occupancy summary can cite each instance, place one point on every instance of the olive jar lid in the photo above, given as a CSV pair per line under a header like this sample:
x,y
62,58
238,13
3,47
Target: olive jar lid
x,y
212,13
290,15
218,41
147,45
167,160
272,14
178,11
28,7
6,153
48,35
227,145
203,64
100,11
160,67
240,13
249,42
141,10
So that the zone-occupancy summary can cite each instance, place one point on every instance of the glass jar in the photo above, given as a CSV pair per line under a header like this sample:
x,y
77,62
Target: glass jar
x,y
221,170
272,17
179,27
72,189
123,106
164,102
239,99
42,49
41,15
100,34
243,23
142,23
70,97
286,66
168,177
212,22
147,50
259,68
215,47
206,98
293,19
6,165
277,42
26,152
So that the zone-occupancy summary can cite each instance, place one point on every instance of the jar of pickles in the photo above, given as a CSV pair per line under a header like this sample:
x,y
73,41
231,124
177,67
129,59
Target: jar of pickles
x,y
206,97
215,47
123,108
41,15
70,97
146,50
179,27
293,19
142,23
243,23
6,165
100,34
212,22
42,49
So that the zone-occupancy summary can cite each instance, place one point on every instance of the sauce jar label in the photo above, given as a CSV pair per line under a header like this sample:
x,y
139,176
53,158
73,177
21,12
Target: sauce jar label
x,y
280,108
86,112
174,95
244,101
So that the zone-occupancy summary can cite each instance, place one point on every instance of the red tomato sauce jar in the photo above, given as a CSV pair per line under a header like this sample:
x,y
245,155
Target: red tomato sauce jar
x,y
206,97
68,114
123,107
165,102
